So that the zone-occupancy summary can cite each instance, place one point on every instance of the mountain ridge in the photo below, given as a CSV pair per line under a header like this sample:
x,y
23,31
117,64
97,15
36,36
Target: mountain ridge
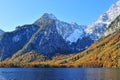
x,y
48,36
97,29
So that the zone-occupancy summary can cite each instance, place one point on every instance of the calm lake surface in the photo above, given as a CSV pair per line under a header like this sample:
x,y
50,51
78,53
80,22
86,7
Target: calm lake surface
x,y
59,74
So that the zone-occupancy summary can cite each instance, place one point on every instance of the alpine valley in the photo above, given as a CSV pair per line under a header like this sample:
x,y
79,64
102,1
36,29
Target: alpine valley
x,y
49,42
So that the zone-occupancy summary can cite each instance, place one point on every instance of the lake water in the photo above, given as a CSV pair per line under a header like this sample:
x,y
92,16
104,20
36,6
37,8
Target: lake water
x,y
59,74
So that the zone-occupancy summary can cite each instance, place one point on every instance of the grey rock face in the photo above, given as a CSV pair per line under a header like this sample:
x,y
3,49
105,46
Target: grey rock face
x,y
115,26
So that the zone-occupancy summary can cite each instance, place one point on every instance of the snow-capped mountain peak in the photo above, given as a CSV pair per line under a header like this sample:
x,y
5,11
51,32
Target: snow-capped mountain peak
x,y
98,28
48,16
70,32
45,18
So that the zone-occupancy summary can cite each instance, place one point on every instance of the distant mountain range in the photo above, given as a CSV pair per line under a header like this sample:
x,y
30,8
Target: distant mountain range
x,y
49,36
103,53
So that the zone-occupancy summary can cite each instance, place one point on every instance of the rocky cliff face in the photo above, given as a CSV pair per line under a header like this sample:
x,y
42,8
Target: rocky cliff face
x,y
115,26
11,42
46,40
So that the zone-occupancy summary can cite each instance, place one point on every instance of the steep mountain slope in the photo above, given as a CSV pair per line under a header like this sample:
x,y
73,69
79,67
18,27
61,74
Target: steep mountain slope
x,y
103,53
96,29
46,40
115,26
73,33
11,42
53,37
70,32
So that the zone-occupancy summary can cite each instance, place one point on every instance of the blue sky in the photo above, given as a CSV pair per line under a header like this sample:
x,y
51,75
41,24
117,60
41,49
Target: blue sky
x,y
19,12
